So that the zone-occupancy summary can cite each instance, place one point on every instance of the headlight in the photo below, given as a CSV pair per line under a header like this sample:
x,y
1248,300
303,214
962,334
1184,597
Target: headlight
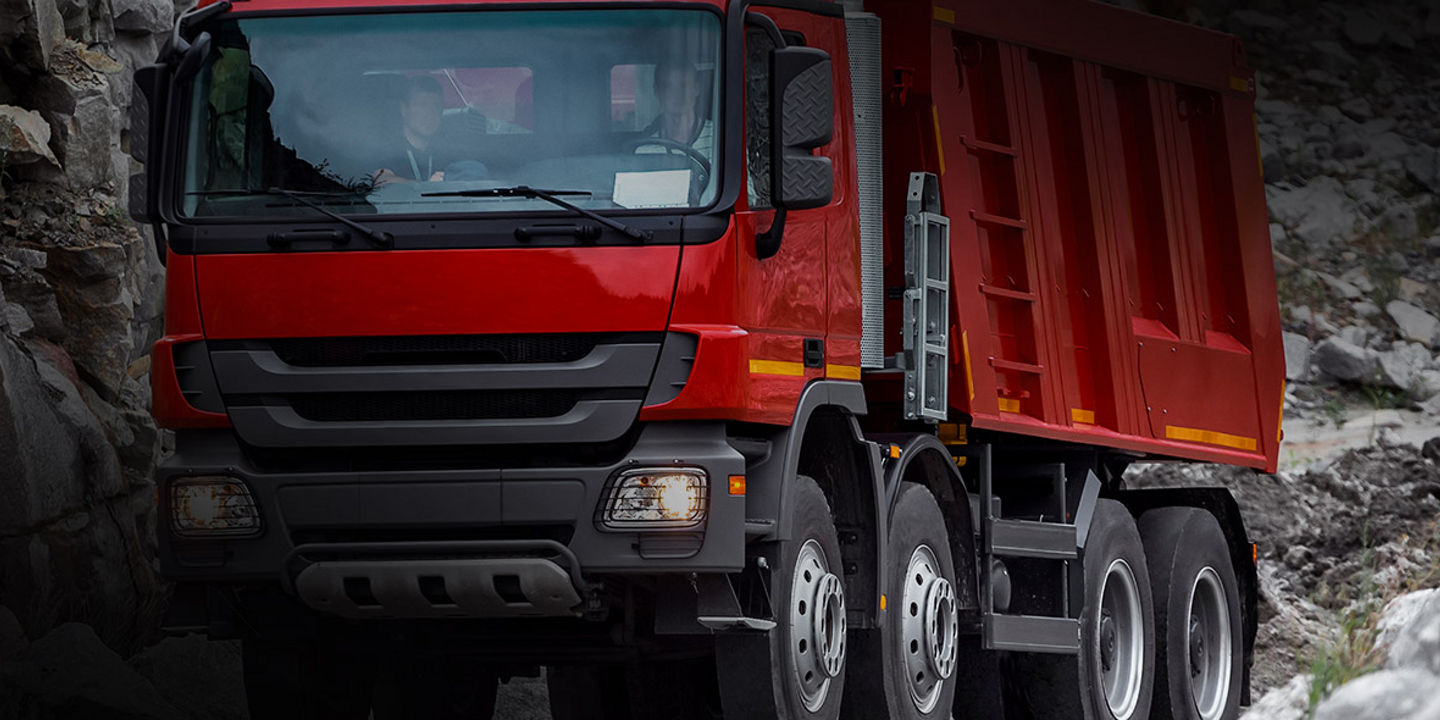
x,y
656,498
202,506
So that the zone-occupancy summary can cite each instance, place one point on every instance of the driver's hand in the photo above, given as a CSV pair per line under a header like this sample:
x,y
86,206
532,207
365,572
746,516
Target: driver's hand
x,y
385,176
439,176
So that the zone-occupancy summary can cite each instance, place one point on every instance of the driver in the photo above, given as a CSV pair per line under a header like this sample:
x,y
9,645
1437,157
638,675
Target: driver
x,y
414,157
677,88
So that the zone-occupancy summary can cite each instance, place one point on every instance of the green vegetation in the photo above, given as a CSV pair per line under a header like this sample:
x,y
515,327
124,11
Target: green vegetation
x,y
1355,651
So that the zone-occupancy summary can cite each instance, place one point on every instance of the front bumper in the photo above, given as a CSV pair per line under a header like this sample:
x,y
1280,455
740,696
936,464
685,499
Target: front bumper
x,y
397,525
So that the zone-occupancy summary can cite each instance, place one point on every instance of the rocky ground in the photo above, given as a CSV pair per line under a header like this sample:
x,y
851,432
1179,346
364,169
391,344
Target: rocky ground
x,y
1350,147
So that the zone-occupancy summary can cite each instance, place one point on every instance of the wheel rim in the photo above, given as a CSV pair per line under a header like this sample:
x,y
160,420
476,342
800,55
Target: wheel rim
x,y
1207,644
928,628
817,625
1120,632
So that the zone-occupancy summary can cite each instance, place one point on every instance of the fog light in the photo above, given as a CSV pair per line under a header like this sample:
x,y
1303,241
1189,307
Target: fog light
x,y
656,498
212,506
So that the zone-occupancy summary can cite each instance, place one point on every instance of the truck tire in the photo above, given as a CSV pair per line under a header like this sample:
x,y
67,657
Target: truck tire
x,y
434,688
588,692
305,679
920,626
1197,615
1113,677
796,670
646,690
1117,627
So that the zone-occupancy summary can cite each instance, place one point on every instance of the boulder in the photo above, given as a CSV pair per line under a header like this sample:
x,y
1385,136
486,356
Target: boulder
x,y
1344,360
1318,213
1418,644
70,673
96,302
36,448
12,636
202,678
1414,323
1384,695
32,28
24,138
1363,29
1423,166
142,16
1400,367
1297,356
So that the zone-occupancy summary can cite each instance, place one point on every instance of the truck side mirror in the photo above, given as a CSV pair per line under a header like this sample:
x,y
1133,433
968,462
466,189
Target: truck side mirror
x,y
803,119
802,109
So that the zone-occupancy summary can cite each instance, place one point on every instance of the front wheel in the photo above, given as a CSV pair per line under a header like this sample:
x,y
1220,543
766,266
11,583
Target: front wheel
x,y
1199,645
796,670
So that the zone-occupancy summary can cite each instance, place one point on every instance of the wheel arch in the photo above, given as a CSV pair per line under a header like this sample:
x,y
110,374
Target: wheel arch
x,y
1226,511
825,443
924,460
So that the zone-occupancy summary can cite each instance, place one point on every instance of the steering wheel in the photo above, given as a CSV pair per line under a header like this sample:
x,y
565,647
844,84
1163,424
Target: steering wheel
x,y
695,155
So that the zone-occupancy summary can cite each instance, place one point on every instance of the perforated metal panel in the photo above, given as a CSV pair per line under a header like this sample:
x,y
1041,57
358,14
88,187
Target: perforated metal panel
x,y
862,31
927,301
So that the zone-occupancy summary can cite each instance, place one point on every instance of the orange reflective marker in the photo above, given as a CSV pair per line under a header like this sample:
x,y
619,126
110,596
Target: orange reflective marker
x,y
737,484
882,602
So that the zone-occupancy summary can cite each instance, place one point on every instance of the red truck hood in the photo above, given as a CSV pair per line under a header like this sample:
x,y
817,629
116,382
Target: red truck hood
x,y
436,292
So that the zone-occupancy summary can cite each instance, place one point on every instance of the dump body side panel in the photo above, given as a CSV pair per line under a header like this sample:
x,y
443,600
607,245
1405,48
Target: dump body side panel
x,y
1109,240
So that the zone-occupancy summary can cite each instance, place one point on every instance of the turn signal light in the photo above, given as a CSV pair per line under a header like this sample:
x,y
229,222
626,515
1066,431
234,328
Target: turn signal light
x,y
205,506
656,498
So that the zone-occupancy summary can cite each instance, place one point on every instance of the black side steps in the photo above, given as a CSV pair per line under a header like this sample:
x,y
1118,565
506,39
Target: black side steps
x,y
1045,539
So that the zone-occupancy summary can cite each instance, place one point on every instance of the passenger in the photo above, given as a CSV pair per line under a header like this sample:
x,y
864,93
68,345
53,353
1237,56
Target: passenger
x,y
678,87
420,113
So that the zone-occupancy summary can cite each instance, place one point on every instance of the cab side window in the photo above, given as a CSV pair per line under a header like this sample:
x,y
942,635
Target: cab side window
x,y
757,116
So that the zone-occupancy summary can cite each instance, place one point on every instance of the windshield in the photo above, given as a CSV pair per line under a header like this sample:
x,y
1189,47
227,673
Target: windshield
x,y
399,113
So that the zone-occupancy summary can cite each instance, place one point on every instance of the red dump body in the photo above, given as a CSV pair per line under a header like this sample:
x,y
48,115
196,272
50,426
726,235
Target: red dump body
x,y
1111,263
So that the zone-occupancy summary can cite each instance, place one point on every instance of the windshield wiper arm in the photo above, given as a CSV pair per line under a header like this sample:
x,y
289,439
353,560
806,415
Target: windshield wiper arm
x,y
525,191
378,238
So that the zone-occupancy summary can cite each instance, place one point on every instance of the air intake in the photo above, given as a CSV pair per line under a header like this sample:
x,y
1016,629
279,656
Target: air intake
x,y
862,31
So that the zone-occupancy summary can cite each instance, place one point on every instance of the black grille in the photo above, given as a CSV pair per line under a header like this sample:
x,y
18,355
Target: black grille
x,y
464,405
437,349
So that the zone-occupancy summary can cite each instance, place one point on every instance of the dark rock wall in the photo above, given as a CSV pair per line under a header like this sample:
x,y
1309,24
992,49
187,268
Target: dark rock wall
x,y
80,305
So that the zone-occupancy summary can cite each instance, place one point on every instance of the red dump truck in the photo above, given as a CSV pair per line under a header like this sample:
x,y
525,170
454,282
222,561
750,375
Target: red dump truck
x,y
755,359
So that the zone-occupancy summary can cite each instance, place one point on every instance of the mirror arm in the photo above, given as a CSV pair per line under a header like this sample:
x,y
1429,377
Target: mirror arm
x,y
768,242
765,23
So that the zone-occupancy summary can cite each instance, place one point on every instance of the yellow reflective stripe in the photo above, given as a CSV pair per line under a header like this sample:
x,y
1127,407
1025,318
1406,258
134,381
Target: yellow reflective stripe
x,y
945,15
843,372
1280,424
1210,437
939,146
1080,415
777,367
1009,405
969,376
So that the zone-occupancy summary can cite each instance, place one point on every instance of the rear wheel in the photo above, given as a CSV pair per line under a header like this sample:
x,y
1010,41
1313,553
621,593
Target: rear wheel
x,y
1199,645
796,669
921,623
1114,672
1117,635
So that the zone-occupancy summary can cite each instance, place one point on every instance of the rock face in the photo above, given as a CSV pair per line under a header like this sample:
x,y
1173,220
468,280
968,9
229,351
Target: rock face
x,y
1405,687
70,673
80,305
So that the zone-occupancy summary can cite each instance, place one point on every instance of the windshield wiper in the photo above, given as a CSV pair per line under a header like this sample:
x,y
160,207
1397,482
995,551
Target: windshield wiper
x,y
525,191
378,238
